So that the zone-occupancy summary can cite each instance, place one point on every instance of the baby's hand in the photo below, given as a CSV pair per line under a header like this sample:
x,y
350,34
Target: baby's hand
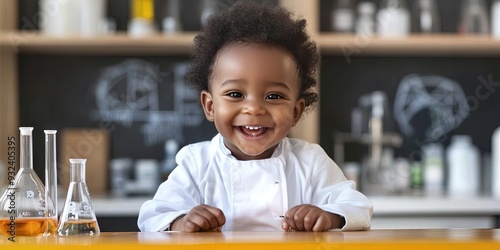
x,y
310,218
201,218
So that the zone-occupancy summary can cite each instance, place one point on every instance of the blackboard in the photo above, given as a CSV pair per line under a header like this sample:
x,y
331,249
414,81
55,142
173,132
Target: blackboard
x,y
342,83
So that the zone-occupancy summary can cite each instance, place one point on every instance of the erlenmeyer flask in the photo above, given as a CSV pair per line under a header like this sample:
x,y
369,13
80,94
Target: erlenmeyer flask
x,y
78,217
23,205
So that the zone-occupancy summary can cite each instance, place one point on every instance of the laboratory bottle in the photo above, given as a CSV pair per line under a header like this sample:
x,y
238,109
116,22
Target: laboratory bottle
x,y
171,22
24,208
433,168
425,17
142,21
495,163
78,217
209,8
474,17
342,16
463,166
495,19
120,169
365,22
168,164
393,18
92,17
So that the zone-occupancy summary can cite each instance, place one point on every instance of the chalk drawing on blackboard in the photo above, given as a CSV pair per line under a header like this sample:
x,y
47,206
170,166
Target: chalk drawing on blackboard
x,y
128,92
443,98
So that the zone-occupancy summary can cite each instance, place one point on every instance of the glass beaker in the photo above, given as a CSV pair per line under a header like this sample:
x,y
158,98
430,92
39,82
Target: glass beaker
x,y
24,211
78,217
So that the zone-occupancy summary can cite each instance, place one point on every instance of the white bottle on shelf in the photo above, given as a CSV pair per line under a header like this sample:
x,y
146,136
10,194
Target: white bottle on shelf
x,y
495,163
393,19
342,16
365,23
433,168
495,19
463,167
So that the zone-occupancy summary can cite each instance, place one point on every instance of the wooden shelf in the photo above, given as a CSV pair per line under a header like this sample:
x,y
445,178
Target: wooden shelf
x,y
413,45
329,44
119,43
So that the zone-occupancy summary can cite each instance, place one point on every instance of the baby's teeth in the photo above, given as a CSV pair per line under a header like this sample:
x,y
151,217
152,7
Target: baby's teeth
x,y
252,128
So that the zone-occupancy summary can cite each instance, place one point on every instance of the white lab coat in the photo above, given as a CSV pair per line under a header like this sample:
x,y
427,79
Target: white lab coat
x,y
254,195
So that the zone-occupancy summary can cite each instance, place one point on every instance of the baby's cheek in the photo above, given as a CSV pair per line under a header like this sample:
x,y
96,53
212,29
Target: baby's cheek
x,y
284,117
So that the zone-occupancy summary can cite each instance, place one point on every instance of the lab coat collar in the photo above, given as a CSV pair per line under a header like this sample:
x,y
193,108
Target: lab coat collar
x,y
278,152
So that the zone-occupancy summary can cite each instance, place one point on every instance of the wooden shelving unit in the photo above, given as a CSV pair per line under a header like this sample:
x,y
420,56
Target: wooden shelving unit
x,y
329,44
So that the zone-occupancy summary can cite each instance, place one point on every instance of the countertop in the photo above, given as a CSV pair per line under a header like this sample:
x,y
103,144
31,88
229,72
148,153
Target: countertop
x,y
383,205
373,239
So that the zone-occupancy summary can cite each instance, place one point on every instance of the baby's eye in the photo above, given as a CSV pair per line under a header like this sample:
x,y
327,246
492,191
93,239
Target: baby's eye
x,y
274,96
234,94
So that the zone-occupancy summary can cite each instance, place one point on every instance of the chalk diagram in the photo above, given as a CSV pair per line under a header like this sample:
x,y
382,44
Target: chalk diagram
x,y
442,97
128,92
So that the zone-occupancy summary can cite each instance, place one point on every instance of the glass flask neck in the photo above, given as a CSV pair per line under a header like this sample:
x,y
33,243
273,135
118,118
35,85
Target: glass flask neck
x,y
77,170
51,170
26,148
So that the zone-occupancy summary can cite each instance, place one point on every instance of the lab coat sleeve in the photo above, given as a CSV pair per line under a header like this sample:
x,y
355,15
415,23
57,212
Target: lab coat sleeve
x,y
335,194
174,197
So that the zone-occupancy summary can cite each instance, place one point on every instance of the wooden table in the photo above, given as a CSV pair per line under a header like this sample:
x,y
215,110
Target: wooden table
x,y
425,239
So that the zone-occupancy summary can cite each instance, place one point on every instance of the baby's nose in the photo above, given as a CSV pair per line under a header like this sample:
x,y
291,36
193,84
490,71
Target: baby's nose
x,y
254,107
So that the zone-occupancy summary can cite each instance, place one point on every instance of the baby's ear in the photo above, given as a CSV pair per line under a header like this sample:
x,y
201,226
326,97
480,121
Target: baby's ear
x,y
298,110
208,105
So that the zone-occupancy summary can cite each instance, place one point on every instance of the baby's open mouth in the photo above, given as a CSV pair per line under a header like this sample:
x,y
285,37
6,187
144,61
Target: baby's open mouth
x,y
253,131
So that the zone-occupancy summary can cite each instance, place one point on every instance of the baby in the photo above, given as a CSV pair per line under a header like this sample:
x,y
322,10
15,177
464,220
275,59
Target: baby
x,y
255,67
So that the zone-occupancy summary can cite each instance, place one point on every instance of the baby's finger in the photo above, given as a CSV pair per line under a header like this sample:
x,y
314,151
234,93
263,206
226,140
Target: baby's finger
x,y
321,224
216,217
284,225
310,220
289,219
299,218
201,220
190,226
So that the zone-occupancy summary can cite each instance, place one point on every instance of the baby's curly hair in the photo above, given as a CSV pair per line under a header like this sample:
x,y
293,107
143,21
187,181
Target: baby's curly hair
x,y
251,22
